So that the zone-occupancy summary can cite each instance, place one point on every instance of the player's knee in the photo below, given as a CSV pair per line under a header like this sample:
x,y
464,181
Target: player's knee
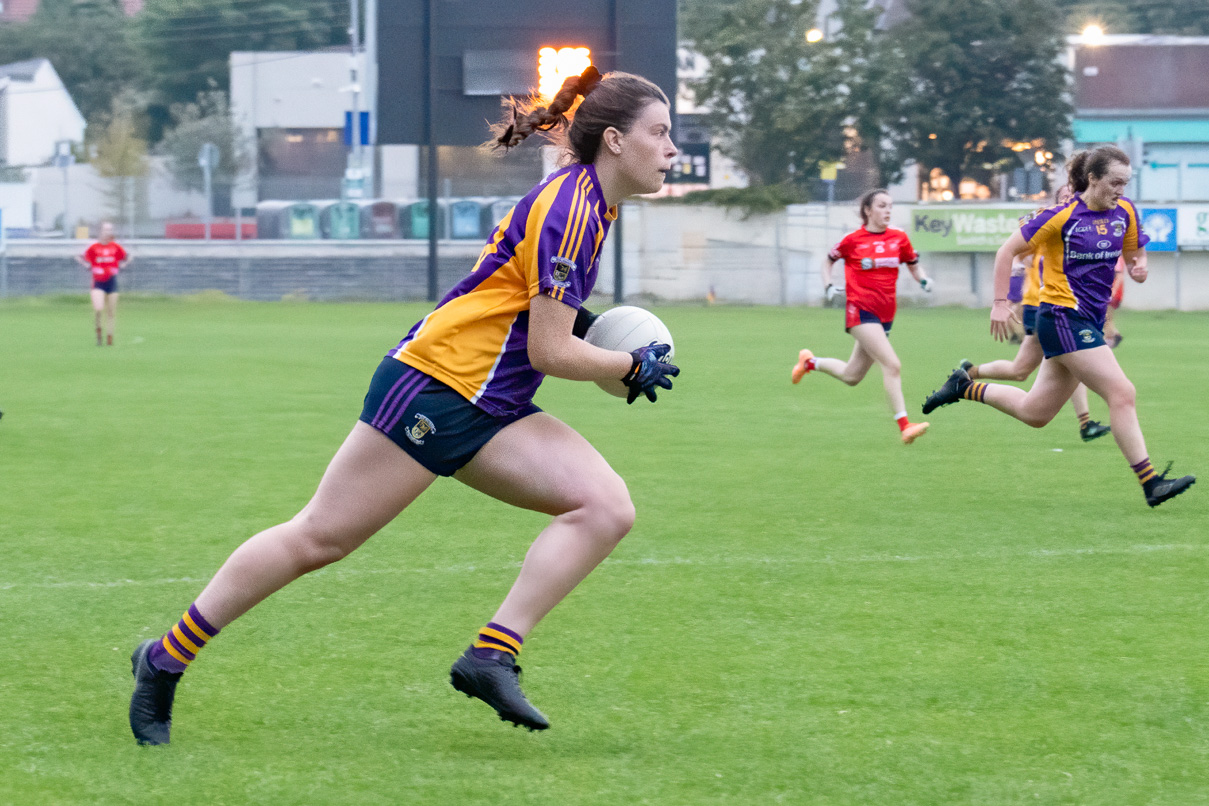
x,y
1124,395
852,377
1019,374
892,369
610,509
1037,419
316,543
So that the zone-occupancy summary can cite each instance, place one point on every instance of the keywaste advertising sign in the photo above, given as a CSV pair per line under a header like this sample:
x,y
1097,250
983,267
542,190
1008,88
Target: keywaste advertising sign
x,y
963,229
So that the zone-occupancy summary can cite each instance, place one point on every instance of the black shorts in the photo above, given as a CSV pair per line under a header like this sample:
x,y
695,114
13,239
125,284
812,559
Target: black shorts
x,y
1064,330
109,286
1030,319
435,425
862,317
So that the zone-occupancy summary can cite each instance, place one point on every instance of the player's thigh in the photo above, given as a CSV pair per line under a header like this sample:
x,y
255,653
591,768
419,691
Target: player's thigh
x,y
1052,388
369,481
873,341
1030,354
542,464
111,302
98,299
1099,370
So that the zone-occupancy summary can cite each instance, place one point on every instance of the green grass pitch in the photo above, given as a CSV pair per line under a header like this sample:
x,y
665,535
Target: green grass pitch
x,y
806,612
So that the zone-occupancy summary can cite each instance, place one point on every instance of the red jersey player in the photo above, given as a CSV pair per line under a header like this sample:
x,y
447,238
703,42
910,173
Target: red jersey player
x,y
872,256
105,259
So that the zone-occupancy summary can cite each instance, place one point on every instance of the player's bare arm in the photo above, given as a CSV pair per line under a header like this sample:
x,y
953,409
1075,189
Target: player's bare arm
x,y
553,350
1001,309
1135,259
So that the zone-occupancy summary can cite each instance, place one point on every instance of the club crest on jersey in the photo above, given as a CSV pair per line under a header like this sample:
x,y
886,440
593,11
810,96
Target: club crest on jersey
x,y
1087,336
562,268
1118,229
866,263
421,429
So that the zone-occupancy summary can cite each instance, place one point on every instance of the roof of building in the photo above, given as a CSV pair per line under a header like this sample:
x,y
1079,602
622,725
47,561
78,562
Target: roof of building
x,y
23,70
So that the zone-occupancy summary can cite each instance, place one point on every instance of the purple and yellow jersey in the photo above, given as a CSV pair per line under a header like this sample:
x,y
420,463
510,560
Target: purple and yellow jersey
x,y
1080,248
1032,281
476,340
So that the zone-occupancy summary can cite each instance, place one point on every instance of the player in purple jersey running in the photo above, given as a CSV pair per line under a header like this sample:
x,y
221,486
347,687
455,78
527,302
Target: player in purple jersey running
x,y
1080,242
455,398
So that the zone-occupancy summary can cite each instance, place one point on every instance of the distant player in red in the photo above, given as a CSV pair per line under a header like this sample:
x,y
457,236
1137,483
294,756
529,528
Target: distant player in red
x,y
872,256
105,259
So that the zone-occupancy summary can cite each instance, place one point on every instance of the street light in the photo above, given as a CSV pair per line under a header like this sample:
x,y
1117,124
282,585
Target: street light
x,y
556,65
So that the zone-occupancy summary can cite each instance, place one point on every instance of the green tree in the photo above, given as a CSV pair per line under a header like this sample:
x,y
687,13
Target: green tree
x,y
91,45
206,120
777,102
875,80
983,75
188,42
121,157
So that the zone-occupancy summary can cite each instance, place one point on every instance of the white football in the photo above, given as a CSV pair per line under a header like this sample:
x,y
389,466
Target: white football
x,y
627,328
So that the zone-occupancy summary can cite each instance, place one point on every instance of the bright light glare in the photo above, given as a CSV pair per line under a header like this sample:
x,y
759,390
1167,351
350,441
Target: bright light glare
x,y
556,66
1093,34
814,35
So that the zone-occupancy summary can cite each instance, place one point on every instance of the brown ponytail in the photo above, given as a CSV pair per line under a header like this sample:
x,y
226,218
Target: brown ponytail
x,y
615,101
528,117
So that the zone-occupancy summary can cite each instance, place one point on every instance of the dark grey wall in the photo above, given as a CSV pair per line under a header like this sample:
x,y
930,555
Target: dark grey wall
x,y
255,274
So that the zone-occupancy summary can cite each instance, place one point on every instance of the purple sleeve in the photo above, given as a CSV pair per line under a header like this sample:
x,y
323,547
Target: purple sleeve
x,y
567,245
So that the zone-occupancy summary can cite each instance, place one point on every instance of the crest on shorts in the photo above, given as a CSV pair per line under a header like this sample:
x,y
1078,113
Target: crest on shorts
x,y
562,268
1087,336
421,429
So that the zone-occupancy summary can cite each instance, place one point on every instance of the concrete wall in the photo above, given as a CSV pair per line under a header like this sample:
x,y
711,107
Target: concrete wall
x,y
89,198
670,252
259,270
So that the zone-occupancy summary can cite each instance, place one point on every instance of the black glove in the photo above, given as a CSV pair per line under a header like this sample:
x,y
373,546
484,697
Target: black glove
x,y
648,371
583,320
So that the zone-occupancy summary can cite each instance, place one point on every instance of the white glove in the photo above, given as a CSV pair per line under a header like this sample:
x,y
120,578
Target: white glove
x,y
831,293
926,284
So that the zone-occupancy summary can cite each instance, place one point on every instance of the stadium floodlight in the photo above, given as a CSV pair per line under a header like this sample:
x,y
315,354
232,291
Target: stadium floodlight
x,y
556,65
1093,34
814,35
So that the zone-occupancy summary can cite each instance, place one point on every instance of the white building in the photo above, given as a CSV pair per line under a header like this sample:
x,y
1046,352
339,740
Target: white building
x,y
292,106
36,112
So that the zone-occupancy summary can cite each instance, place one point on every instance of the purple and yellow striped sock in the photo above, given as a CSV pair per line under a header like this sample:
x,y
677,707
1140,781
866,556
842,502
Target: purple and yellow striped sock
x,y
497,638
1144,470
1084,418
975,391
180,645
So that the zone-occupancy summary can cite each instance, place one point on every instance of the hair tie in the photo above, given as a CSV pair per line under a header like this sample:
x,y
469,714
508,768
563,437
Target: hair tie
x,y
588,80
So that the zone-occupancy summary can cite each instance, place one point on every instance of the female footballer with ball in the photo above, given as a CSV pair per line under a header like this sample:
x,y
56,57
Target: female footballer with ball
x,y
455,398
872,256
1080,242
